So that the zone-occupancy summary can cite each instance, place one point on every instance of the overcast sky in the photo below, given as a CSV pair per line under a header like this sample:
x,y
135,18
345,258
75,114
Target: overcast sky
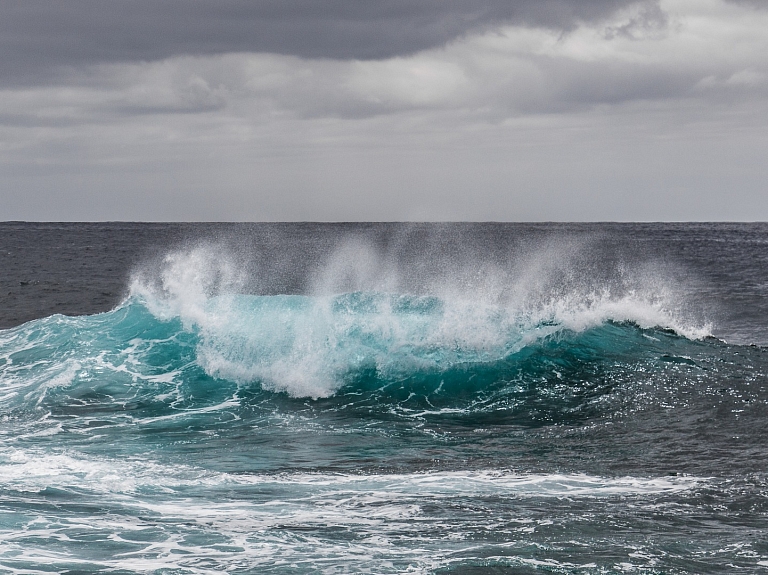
x,y
338,110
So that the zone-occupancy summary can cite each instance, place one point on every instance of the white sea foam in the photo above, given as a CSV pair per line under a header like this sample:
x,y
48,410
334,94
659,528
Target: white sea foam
x,y
304,346
170,516
35,470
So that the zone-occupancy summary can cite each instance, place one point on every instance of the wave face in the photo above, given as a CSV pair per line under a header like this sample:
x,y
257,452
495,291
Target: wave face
x,y
378,424
393,351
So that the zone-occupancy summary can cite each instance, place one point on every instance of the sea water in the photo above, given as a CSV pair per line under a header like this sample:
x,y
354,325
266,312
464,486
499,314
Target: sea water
x,y
384,398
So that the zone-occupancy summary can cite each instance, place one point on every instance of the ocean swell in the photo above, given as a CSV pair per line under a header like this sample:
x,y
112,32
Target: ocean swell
x,y
312,345
185,341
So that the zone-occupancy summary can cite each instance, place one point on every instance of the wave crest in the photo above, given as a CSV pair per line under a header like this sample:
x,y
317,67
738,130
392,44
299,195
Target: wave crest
x,y
310,346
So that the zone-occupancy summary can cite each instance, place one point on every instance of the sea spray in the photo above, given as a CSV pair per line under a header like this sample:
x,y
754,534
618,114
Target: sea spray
x,y
402,399
312,345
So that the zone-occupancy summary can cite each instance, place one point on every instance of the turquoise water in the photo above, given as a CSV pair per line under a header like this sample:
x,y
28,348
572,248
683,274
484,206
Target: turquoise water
x,y
195,428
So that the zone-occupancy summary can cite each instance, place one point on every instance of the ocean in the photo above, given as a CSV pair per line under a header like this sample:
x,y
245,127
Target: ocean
x,y
383,398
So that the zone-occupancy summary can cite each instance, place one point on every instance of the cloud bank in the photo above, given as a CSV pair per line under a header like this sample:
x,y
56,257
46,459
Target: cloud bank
x,y
39,34
556,109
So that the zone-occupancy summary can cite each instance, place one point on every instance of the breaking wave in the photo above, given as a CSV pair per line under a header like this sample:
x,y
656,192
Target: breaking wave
x,y
185,339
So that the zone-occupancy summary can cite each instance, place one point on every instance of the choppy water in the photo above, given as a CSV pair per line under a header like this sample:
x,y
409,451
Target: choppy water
x,y
384,398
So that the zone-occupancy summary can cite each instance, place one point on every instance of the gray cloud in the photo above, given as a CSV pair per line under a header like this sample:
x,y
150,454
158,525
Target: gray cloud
x,y
430,109
38,36
754,3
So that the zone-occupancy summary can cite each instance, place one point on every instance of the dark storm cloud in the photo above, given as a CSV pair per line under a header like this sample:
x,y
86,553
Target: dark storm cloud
x,y
38,36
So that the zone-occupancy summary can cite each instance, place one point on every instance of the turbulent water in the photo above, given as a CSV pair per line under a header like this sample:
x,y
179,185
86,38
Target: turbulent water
x,y
477,399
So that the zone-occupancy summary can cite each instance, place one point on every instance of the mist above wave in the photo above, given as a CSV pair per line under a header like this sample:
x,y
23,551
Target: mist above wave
x,y
367,309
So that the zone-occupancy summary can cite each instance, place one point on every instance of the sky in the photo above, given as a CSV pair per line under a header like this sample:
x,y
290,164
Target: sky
x,y
384,110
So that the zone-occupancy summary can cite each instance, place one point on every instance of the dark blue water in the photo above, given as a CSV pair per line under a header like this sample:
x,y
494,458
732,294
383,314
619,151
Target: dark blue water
x,y
383,398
